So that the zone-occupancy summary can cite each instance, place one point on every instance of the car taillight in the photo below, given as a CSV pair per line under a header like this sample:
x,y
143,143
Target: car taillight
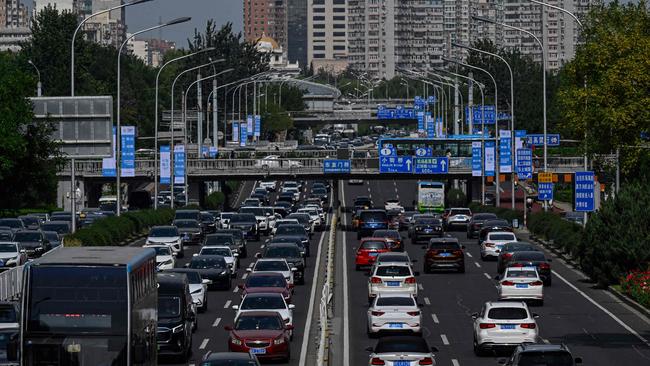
x,y
489,245
507,283
537,283
410,280
529,325
426,361
413,313
487,325
377,361
375,280
360,222
377,313
545,266
507,255
517,265
432,253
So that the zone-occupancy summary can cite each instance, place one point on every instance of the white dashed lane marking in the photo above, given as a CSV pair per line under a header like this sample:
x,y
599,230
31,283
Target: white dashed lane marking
x,y
477,265
445,341
204,343
435,318
455,362
426,301
227,304
216,322
469,254
487,276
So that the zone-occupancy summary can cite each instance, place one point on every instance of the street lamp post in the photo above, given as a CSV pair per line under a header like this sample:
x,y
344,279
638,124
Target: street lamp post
x,y
512,106
156,152
118,141
171,123
541,46
39,85
74,35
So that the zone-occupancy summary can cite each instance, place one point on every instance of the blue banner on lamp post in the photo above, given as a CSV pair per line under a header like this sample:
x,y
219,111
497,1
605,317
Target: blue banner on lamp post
x,y
477,167
165,161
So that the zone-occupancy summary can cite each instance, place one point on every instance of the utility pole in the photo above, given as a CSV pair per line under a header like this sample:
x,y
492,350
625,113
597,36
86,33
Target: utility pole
x,y
456,110
470,104
199,121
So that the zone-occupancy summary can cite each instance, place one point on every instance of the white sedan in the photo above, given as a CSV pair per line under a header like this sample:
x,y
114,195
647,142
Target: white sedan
x,y
392,278
269,185
402,351
503,325
393,205
266,302
165,258
168,235
394,313
521,283
274,265
275,161
232,258
494,241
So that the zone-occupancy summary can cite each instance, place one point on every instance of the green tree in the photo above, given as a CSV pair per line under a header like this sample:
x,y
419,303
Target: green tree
x,y
29,160
275,121
605,91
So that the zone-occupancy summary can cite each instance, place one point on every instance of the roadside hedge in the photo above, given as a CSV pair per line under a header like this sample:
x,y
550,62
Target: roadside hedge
x,y
566,235
116,230
501,212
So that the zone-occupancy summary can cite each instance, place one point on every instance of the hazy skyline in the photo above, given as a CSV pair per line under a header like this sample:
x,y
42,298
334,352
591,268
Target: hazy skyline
x,y
148,14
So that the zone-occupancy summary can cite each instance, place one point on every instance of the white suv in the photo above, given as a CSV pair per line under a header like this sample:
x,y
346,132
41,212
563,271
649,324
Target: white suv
x,y
394,313
458,217
503,325
392,278
494,241
269,185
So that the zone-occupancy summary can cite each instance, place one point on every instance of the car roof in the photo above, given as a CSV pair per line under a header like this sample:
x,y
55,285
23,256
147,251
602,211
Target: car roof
x,y
529,268
215,247
500,232
259,313
443,240
263,294
543,348
395,294
265,274
270,260
506,304
394,264
372,238
276,245
239,356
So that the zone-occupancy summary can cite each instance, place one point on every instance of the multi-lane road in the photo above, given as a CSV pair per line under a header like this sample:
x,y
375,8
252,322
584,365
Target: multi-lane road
x,y
595,325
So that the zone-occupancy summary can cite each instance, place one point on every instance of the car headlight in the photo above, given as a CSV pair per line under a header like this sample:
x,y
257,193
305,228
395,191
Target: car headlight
x,y
178,329
278,341
235,341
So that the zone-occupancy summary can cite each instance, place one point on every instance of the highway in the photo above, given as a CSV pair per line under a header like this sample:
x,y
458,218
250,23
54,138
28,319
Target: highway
x,y
210,335
594,330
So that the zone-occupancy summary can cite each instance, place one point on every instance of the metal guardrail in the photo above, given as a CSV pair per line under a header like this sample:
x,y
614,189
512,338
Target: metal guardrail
x,y
11,284
324,308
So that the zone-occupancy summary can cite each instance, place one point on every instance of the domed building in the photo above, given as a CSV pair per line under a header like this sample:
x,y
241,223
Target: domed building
x,y
277,60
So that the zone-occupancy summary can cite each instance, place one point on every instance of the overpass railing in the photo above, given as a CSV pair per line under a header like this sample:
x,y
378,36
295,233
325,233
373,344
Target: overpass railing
x,y
11,284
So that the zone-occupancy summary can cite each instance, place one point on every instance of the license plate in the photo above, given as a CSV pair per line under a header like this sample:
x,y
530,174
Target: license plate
x,y
507,326
444,255
402,363
258,351
395,325
522,285
392,283
428,230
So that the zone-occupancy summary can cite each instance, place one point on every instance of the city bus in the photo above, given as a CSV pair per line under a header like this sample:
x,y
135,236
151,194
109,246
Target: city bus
x,y
431,197
89,306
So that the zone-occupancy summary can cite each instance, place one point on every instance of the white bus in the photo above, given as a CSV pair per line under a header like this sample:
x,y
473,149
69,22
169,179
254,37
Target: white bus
x,y
431,197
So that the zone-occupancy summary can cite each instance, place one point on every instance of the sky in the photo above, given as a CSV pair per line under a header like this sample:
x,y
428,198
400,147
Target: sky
x,y
148,14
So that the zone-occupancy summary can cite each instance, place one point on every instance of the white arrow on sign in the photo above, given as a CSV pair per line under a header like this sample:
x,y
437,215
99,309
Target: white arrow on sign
x,y
443,163
408,164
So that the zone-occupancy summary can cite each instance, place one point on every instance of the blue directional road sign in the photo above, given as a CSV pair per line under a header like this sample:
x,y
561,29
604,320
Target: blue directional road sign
x,y
584,192
439,165
336,166
525,164
552,139
545,191
395,164
387,151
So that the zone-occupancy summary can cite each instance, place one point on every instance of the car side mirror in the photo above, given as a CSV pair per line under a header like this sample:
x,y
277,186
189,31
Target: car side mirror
x,y
474,315
292,306
228,327
195,255
578,360
174,254
369,349
462,247
235,255
289,327
258,255
535,316
416,273
235,307
434,349
206,281
23,251
414,260
186,265
294,269
249,269
496,278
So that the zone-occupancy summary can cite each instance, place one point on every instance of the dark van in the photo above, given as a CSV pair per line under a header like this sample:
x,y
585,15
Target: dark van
x,y
371,220
176,316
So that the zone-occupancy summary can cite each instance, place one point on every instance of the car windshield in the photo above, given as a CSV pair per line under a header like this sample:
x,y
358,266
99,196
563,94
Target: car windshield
x,y
516,273
513,247
484,216
6,235
282,252
191,224
189,215
163,232
27,236
373,216
259,322
271,266
427,221
51,236
162,250
266,281
508,313
533,358
193,277
208,263
437,245
207,217
412,345
8,248
169,306
319,191
12,223
502,237
8,314
395,301
400,271
257,211
59,228
529,256
392,258
218,239
288,229
253,302
216,251
243,218
393,234
460,211
226,215
372,244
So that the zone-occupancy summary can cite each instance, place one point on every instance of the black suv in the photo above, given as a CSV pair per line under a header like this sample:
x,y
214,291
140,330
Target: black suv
x,y
176,316
247,223
290,252
541,354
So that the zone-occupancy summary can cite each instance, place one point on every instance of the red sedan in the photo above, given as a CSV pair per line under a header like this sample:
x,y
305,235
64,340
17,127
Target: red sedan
x,y
369,249
267,282
262,333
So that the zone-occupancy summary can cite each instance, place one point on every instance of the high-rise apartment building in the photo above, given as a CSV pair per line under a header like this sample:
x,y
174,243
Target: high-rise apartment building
x,y
297,37
13,14
327,35
266,18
